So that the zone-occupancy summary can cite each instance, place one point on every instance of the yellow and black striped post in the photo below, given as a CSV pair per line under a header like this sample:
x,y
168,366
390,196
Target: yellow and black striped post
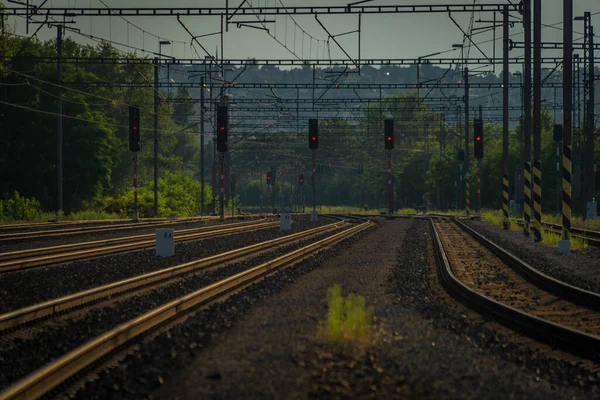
x,y
505,202
527,200
537,200
567,123
467,194
566,189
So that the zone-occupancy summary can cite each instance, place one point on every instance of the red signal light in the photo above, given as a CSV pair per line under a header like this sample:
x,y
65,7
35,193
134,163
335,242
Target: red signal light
x,y
314,138
389,138
134,128
478,138
222,128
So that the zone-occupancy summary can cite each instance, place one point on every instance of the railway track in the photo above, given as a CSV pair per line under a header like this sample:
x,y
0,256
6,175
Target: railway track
x,y
589,236
75,231
127,334
488,278
23,259
59,224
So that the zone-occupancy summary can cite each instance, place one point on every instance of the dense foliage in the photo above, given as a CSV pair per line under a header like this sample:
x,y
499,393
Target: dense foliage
x,y
97,165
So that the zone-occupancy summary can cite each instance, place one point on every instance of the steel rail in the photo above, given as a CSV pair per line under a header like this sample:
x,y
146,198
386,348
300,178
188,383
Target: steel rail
x,y
578,341
93,229
534,276
50,308
42,251
52,375
67,223
21,264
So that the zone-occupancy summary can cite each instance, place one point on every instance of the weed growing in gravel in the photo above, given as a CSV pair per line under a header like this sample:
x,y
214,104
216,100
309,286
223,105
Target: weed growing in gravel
x,y
348,320
551,239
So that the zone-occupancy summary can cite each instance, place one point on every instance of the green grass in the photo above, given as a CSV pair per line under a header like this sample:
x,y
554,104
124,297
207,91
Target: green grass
x,y
348,320
575,221
348,210
549,238
496,218
552,239
77,216
359,210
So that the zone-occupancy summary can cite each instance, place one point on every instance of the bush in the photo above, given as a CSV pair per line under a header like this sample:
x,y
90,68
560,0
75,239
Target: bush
x,y
178,196
19,208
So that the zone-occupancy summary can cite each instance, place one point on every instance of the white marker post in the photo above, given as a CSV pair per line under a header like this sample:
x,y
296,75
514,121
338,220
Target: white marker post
x,y
314,217
165,243
285,221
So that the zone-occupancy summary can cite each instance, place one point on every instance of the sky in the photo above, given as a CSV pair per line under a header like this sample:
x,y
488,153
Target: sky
x,y
383,36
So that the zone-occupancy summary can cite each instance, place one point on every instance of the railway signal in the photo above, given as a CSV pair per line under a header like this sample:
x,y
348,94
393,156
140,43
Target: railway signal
x,y
558,132
268,178
301,180
313,134
222,129
134,129
389,134
478,139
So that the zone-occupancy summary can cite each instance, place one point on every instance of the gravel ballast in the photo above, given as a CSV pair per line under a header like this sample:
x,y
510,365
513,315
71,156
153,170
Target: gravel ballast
x,y
23,288
274,352
25,355
576,269
144,371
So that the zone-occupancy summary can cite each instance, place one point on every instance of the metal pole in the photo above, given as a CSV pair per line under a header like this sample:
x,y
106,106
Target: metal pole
x,y
274,192
314,179
567,114
59,119
479,188
537,120
466,171
222,194
589,183
202,145
460,184
505,121
136,214
390,206
156,105
232,195
558,180
527,118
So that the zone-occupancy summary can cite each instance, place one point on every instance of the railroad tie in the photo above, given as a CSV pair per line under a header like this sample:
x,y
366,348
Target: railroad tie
x,y
537,200
467,194
566,189
527,200
505,203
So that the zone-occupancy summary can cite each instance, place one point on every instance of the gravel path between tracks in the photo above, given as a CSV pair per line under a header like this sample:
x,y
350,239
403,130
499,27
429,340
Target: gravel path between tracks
x,y
29,353
109,234
576,269
144,371
273,352
23,288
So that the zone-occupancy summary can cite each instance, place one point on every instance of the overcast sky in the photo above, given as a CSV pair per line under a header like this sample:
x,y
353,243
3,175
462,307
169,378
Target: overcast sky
x,y
384,36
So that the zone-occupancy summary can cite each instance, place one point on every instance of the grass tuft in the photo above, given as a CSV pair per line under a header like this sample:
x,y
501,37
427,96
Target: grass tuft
x,y
348,320
496,218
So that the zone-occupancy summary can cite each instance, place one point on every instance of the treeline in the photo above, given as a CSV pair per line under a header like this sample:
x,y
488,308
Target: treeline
x,y
97,165
352,162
